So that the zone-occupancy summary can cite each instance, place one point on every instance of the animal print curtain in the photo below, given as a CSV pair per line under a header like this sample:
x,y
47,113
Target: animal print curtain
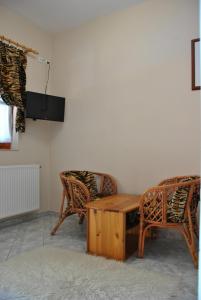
x,y
13,80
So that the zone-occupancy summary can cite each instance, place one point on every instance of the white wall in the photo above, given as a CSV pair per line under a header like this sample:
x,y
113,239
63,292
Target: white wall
x,y
130,108
34,144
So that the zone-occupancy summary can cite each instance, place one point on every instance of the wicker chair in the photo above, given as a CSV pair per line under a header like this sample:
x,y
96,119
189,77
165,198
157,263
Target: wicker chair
x,y
172,204
76,193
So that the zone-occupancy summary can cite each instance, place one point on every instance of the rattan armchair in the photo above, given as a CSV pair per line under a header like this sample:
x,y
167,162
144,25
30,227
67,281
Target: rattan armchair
x,y
172,204
77,193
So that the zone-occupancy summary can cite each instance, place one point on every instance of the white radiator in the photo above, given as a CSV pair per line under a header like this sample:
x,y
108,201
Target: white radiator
x,y
19,189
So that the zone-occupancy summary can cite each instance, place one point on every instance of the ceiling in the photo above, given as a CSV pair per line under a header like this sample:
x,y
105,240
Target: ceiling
x,y
57,15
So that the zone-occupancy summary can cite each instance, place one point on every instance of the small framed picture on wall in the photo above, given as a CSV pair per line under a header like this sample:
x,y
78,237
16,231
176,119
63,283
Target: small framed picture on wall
x,y
195,64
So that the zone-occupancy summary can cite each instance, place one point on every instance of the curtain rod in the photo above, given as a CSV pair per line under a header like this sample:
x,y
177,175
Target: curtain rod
x,y
3,38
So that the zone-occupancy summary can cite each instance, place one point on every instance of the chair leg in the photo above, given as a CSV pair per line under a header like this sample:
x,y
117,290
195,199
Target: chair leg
x,y
62,215
81,219
141,241
61,219
196,228
193,252
193,248
194,233
55,228
190,241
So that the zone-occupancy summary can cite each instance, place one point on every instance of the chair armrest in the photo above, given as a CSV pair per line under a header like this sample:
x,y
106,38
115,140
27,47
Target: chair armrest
x,y
152,205
76,191
177,179
156,201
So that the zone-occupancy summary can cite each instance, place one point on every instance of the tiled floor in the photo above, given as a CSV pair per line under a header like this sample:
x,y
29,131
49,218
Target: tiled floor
x,y
169,256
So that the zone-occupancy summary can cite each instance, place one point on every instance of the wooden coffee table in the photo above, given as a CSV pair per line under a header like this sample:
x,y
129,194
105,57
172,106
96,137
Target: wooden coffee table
x,y
107,231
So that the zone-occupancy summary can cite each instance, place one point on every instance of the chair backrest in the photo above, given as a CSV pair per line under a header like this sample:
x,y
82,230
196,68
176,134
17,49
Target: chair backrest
x,y
83,186
168,202
87,178
106,184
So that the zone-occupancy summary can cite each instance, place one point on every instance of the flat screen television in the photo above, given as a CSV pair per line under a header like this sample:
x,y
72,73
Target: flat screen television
x,y
45,107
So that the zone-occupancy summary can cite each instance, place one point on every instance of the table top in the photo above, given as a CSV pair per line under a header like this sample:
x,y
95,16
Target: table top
x,y
118,203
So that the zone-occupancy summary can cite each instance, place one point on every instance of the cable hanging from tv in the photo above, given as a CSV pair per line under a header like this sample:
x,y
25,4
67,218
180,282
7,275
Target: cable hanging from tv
x,y
48,75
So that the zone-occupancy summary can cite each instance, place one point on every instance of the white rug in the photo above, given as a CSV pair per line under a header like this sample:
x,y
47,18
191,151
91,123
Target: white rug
x,y
56,274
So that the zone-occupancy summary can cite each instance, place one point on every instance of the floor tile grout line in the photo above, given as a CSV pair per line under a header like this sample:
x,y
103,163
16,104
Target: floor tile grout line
x,y
11,247
14,241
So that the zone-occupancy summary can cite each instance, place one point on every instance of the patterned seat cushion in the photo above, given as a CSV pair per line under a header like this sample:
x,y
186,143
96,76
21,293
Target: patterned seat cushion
x,y
177,202
87,178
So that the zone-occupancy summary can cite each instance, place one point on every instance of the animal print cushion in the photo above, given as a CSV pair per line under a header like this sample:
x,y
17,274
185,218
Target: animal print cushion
x,y
87,178
177,202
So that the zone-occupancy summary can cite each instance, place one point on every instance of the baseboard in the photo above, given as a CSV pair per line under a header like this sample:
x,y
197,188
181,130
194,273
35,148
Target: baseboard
x,y
14,220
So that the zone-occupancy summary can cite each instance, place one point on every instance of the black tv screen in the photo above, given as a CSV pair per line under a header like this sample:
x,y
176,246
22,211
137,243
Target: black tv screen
x,y
45,107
